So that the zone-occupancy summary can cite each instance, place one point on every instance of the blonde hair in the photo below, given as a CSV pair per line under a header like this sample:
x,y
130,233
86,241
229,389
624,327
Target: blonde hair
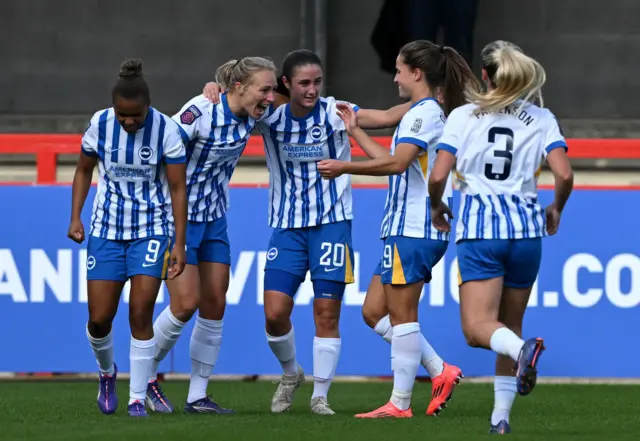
x,y
513,75
241,71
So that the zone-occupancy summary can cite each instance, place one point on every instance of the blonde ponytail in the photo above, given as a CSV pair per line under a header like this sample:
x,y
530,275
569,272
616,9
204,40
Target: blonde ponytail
x,y
513,75
241,71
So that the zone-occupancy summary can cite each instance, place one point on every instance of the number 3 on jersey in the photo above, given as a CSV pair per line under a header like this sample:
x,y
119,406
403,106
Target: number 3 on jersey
x,y
505,153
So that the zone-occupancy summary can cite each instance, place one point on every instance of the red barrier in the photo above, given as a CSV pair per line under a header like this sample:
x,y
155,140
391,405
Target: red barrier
x,y
47,147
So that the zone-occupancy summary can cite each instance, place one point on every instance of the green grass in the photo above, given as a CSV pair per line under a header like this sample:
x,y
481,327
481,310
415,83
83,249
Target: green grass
x,y
66,411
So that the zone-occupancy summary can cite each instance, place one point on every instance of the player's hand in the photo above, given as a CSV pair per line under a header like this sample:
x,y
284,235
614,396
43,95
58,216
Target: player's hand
x,y
348,115
212,91
331,168
76,231
177,261
553,219
438,217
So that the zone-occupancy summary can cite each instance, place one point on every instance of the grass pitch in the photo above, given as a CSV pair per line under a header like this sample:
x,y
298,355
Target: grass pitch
x,y
66,411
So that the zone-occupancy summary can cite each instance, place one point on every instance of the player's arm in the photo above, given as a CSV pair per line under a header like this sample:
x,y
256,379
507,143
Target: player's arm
x,y
175,161
370,147
82,179
558,160
383,163
382,119
388,165
445,160
446,154
82,182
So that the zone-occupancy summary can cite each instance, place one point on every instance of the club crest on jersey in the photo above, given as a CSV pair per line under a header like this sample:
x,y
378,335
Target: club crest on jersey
x,y
417,124
316,133
145,153
190,115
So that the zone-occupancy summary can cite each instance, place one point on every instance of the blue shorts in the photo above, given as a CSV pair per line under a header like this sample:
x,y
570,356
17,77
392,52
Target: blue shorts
x,y
120,260
407,260
326,250
517,260
208,242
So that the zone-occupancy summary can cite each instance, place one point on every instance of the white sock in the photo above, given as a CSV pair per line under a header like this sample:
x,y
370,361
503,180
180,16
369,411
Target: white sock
x,y
384,329
284,348
429,358
505,342
141,358
405,359
505,389
167,330
326,352
103,350
204,348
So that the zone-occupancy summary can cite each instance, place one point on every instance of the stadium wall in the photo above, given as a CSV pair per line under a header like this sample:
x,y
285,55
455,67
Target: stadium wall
x,y
586,297
61,58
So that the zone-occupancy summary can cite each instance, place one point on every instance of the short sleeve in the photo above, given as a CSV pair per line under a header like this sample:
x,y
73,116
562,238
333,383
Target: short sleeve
x,y
355,107
450,140
90,138
417,128
174,145
189,117
554,138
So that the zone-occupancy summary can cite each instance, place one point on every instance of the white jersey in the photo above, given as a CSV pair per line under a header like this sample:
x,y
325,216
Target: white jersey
x,y
133,199
215,140
499,157
299,196
407,211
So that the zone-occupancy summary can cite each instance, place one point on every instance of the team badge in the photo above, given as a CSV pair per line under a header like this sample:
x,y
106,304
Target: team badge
x,y
417,124
316,133
145,153
190,115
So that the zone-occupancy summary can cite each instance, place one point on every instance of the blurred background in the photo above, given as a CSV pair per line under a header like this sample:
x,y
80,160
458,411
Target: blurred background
x,y
59,60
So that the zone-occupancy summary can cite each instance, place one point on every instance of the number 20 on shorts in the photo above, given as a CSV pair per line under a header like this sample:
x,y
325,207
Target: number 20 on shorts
x,y
333,254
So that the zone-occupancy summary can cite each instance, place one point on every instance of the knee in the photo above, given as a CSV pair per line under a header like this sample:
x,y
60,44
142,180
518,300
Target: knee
x,y
184,307
99,327
468,329
276,316
213,304
140,319
372,315
327,323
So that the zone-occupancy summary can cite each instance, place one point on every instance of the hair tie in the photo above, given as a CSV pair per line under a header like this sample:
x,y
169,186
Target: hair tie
x,y
442,49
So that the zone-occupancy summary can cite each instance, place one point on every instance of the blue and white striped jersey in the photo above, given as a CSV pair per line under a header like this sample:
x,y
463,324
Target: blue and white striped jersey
x,y
133,199
407,211
499,158
299,196
215,140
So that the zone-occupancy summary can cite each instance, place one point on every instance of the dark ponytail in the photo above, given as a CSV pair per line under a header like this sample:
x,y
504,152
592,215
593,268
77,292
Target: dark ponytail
x,y
443,68
131,83
458,79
